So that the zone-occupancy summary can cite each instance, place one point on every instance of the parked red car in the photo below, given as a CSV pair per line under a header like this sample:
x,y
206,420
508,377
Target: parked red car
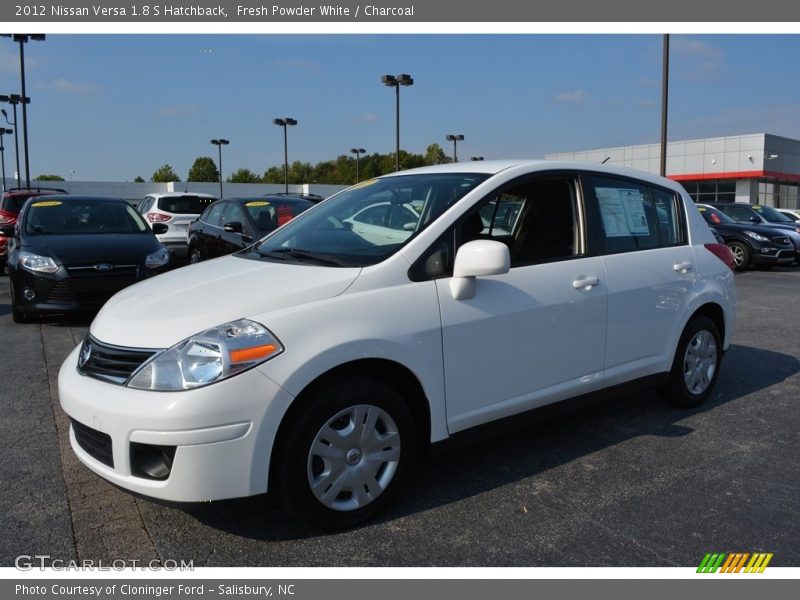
x,y
10,205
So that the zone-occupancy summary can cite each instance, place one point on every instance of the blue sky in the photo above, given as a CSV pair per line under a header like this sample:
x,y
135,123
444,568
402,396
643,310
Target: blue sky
x,y
111,107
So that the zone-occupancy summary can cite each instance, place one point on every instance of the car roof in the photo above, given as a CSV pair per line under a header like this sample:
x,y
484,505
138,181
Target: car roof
x,y
493,167
72,198
11,192
180,194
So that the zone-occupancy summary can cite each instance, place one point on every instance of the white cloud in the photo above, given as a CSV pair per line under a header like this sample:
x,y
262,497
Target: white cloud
x,y
65,86
368,118
571,97
297,64
695,59
177,110
9,60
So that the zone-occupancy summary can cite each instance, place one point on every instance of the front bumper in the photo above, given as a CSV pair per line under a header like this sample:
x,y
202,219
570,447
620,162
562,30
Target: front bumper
x,y
223,433
62,292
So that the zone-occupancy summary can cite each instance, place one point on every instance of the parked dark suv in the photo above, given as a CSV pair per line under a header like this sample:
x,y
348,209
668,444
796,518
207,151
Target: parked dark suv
x,y
10,205
756,245
749,214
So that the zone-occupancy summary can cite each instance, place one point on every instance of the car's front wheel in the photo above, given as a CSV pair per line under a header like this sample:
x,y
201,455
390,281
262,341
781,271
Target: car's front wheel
x,y
741,254
346,454
16,313
696,365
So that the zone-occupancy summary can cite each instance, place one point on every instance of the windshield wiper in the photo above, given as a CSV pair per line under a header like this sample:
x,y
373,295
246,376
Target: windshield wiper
x,y
290,253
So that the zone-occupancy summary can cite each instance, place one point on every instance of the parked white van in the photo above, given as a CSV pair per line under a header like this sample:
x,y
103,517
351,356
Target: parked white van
x,y
318,363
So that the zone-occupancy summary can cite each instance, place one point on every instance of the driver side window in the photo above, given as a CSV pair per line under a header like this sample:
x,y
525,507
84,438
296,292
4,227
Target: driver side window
x,y
537,218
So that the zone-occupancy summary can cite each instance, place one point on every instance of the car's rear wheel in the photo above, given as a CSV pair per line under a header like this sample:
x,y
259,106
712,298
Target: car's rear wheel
x,y
741,254
696,365
345,456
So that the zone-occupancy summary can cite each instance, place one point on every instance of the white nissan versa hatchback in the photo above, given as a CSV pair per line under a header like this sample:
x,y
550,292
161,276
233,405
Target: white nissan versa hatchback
x,y
317,363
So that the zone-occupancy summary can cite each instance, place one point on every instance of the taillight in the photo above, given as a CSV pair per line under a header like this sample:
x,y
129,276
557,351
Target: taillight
x,y
7,218
722,252
157,217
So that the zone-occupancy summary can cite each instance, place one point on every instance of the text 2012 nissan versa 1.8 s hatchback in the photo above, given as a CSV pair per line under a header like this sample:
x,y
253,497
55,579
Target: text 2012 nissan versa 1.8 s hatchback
x,y
317,363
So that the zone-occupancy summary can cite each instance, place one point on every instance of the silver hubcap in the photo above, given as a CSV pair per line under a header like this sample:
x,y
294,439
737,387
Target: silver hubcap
x,y
194,257
738,255
700,362
353,457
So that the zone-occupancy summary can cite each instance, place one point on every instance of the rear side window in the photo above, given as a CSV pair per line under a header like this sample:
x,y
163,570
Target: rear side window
x,y
184,205
635,216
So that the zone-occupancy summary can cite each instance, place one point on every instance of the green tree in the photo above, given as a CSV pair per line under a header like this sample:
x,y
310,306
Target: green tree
x,y
164,174
49,178
273,175
244,176
434,155
139,179
203,169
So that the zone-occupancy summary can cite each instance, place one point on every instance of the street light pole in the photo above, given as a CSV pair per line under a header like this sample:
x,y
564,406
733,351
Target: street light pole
x,y
286,122
664,97
455,138
22,39
219,144
358,152
13,100
3,131
396,82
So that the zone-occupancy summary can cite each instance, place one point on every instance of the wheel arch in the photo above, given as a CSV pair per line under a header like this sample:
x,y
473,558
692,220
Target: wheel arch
x,y
390,372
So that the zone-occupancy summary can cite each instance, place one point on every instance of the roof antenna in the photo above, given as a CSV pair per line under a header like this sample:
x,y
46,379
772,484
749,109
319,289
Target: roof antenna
x,y
605,160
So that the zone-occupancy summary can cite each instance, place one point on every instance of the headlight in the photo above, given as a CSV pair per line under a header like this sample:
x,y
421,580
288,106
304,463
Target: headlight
x,y
756,236
39,264
208,357
157,259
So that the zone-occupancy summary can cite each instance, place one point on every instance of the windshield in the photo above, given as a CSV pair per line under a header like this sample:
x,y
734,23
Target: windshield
x,y
771,215
713,216
368,222
77,217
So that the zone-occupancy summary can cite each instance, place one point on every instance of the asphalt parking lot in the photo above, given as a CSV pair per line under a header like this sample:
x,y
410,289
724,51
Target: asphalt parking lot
x,y
630,482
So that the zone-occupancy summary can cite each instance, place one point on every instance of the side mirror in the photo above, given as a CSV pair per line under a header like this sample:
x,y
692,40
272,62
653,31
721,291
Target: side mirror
x,y
410,226
159,228
755,220
479,258
233,227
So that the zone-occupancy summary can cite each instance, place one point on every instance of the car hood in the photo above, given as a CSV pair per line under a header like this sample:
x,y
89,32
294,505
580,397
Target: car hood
x,y
122,248
769,232
166,309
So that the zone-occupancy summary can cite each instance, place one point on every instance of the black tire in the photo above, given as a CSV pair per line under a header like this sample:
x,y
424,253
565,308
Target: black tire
x,y
741,254
195,256
16,314
294,465
693,356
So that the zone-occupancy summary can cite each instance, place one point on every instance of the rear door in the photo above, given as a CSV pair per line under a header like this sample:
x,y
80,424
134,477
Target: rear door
x,y
649,271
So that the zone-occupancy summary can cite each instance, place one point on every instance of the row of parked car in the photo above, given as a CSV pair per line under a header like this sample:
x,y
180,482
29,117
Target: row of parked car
x,y
757,235
75,252
68,253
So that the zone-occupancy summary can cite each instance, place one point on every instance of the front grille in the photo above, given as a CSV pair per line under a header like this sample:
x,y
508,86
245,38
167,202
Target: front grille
x,y
782,241
110,363
95,443
60,294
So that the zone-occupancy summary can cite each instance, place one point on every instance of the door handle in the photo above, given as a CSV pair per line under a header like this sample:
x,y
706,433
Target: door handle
x,y
586,283
682,267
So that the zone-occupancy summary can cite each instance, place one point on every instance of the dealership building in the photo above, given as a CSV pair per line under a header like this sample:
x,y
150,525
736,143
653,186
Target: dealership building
x,y
759,168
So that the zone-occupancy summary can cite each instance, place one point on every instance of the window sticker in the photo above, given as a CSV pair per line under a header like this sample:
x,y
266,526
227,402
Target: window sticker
x,y
257,203
47,203
622,211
